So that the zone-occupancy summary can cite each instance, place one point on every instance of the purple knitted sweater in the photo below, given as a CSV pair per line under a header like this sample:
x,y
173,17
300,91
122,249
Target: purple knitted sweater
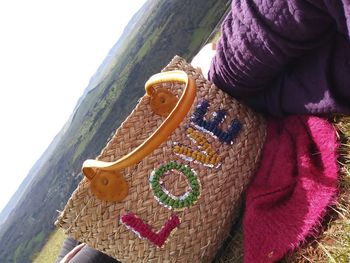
x,y
286,57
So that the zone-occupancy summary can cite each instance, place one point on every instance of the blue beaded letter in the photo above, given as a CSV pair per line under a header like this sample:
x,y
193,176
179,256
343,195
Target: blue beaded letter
x,y
212,126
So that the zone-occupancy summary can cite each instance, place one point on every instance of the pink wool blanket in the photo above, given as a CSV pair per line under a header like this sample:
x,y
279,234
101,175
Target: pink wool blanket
x,y
295,183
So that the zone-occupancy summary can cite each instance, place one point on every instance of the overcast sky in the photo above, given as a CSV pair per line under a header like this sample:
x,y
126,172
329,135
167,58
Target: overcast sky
x,y
48,52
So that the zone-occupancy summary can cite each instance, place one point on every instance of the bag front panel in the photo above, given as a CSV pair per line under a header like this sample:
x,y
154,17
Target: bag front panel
x,y
131,230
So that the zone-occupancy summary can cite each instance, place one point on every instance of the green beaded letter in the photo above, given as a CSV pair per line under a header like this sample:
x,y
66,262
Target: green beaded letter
x,y
164,197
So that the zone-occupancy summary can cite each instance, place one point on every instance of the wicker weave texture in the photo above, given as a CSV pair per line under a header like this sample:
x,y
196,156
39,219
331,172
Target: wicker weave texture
x,y
205,225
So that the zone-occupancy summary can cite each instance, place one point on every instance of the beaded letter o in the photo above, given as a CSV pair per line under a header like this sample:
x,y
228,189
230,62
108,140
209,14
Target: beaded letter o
x,y
164,197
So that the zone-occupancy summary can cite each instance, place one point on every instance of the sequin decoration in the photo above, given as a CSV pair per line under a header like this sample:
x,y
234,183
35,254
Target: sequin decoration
x,y
206,156
164,197
212,126
143,230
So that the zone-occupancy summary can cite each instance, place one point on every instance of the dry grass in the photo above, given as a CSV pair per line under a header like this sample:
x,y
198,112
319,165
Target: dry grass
x,y
51,249
332,243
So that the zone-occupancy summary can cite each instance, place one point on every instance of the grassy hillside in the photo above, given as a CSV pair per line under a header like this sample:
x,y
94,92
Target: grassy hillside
x,y
158,32
16,197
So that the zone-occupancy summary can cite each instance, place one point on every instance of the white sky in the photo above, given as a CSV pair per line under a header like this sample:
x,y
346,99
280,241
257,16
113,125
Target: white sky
x,y
48,52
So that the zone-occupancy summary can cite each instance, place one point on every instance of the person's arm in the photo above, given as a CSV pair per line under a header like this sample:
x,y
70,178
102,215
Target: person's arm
x,y
74,252
259,38
71,254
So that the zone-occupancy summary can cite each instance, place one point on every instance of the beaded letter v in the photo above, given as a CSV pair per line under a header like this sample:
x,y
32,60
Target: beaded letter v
x,y
144,230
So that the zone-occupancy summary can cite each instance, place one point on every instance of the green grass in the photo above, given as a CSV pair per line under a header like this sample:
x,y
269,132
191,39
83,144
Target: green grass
x,y
51,249
198,37
28,246
17,252
149,43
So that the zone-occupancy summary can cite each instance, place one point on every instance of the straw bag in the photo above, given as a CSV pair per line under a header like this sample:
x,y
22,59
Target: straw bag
x,y
167,186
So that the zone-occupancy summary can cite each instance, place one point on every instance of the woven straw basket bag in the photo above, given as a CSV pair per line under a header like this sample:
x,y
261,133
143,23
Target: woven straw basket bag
x,y
167,186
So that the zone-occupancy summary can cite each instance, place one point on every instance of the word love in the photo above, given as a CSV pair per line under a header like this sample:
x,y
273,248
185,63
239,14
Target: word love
x,y
204,154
